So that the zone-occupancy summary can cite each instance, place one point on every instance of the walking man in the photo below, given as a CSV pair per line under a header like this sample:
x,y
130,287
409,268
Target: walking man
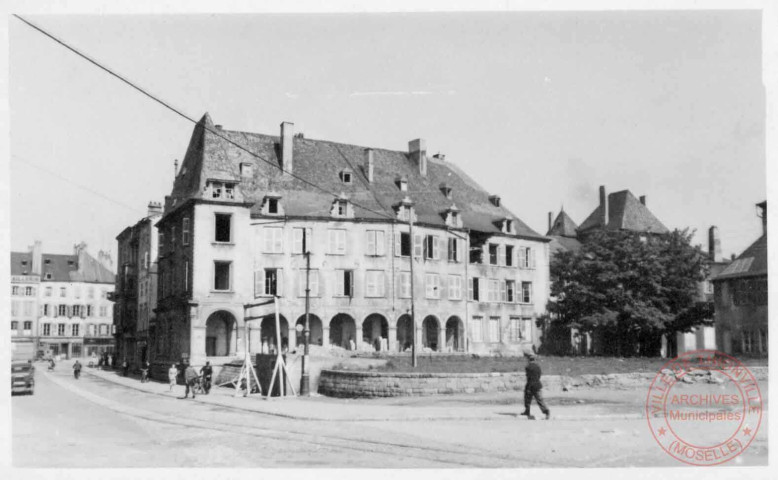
x,y
144,372
533,388
190,377
77,369
207,373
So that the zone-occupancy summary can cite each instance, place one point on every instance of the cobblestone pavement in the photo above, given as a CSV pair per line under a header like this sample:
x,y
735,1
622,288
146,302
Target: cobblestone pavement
x,y
103,420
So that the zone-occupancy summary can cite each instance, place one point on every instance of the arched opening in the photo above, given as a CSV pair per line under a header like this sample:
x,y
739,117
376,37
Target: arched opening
x,y
375,332
430,333
219,329
343,331
455,335
317,332
267,333
404,333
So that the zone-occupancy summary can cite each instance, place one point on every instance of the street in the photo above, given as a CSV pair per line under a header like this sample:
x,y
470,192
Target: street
x,y
94,422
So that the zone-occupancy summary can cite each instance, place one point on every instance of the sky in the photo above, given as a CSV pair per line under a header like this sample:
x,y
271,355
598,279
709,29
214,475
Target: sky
x,y
539,107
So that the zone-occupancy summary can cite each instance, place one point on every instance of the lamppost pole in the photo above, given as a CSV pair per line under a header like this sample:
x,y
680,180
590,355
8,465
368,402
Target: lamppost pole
x,y
305,379
414,361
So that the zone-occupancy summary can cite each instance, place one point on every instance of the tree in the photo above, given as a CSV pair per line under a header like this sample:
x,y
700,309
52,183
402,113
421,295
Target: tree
x,y
629,288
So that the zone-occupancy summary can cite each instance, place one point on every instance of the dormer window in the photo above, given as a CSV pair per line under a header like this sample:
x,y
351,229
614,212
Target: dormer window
x,y
272,205
246,170
452,217
405,210
47,261
402,184
342,208
507,226
346,176
221,190
495,200
24,262
446,190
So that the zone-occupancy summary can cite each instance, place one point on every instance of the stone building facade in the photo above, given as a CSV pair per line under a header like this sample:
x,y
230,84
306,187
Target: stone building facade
x,y
66,302
237,230
136,288
740,293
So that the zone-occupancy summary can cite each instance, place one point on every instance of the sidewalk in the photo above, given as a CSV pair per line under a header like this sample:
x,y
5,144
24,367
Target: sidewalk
x,y
320,408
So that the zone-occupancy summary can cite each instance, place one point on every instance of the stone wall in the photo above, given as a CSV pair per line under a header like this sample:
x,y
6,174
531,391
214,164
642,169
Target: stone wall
x,y
337,383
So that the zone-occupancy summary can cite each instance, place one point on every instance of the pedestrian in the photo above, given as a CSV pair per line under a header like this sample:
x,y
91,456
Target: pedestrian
x,y
172,375
190,377
533,388
144,372
207,373
77,369
125,367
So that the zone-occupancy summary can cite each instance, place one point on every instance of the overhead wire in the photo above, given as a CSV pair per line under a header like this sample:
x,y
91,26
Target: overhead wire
x,y
187,117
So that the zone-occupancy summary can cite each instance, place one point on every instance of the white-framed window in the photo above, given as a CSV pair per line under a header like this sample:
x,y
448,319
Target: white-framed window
x,y
494,329
474,289
28,306
336,239
14,327
455,287
515,330
221,275
431,251
494,254
432,284
14,307
222,228
74,330
510,291
418,245
14,290
313,283
503,291
29,291
476,329
63,311
91,292
526,328
63,291
61,329
508,260
185,235
271,282
302,240
103,330
375,243
374,283
526,292
246,170
48,291
454,249
27,327
222,190
90,311
46,329
274,239
493,292
103,311
526,257
402,244
404,279
344,283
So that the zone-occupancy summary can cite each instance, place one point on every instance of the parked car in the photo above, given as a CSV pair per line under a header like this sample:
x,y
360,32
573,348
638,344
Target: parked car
x,y
22,377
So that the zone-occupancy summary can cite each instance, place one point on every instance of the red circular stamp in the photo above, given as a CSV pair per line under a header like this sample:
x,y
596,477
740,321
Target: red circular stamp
x,y
704,407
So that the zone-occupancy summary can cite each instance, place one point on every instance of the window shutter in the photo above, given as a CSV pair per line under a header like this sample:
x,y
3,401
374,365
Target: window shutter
x,y
529,294
418,246
370,239
278,240
459,247
381,282
435,248
503,291
397,244
532,257
280,282
259,283
339,286
297,240
342,242
267,240
308,240
482,290
380,247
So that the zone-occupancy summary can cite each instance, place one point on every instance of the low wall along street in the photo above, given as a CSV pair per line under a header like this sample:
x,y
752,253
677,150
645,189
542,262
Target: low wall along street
x,y
352,384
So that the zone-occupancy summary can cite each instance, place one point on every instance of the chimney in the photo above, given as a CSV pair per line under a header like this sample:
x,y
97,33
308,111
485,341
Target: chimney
x,y
37,257
440,156
218,127
369,164
603,206
155,208
495,200
175,168
417,149
714,244
762,213
643,199
104,257
550,220
287,146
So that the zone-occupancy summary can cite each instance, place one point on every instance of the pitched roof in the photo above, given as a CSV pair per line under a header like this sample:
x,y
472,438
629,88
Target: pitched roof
x,y
320,162
752,262
625,212
563,226
63,268
563,244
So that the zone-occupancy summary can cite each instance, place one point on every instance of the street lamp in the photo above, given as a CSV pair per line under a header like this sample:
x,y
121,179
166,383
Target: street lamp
x,y
305,378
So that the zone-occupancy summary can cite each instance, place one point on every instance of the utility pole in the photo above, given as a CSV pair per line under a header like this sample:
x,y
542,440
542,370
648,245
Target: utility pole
x,y
414,361
305,379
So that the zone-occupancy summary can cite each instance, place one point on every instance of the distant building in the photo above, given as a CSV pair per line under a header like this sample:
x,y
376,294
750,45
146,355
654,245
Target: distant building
x,y
741,299
622,211
62,302
235,231
136,288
